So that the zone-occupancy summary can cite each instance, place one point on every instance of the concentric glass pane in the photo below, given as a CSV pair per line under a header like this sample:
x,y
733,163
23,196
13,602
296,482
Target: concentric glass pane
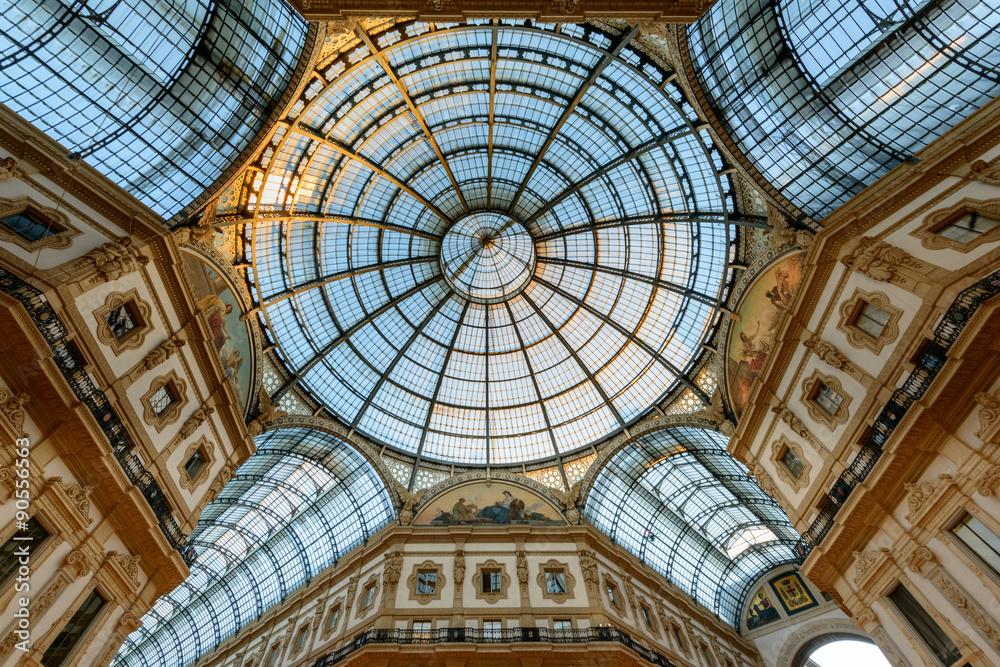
x,y
496,259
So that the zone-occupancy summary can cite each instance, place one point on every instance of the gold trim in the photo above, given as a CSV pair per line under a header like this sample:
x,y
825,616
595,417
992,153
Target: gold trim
x,y
59,221
477,581
851,308
929,232
173,411
141,311
411,582
818,414
778,448
208,449
568,578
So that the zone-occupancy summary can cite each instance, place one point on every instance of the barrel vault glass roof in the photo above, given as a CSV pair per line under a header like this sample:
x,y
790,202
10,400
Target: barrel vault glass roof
x,y
682,504
490,243
159,96
299,503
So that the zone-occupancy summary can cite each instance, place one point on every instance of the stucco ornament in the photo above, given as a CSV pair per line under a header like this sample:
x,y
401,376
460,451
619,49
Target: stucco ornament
x,y
569,498
410,500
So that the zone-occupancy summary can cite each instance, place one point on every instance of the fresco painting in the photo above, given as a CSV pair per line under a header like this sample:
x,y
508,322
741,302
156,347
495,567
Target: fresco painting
x,y
792,593
762,611
751,337
222,312
477,504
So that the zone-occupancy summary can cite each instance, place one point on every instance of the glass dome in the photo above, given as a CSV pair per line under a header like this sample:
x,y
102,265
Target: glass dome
x,y
492,243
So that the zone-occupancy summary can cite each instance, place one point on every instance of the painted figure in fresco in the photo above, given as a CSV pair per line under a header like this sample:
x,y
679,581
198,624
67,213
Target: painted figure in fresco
x,y
215,312
508,509
755,353
762,612
460,512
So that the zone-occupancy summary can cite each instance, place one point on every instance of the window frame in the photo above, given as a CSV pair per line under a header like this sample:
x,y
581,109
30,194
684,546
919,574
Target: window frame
x,y
860,339
413,581
569,581
172,412
991,573
64,231
908,624
934,223
82,641
491,565
811,387
141,311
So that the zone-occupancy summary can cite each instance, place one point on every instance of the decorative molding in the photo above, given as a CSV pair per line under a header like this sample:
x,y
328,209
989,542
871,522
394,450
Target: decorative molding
x,y
160,353
918,558
569,579
130,564
881,262
208,448
77,564
777,451
458,569
338,603
989,413
12,407
79,496
789,418
141,311
191,424
920,494
967,607
409,499
865,564
830,355
477,581
765,481
113,260
266,413
58,222
989,481
391,571
610,583
646,611
818,414
591,578
568,499
716,413
173,411
439,582
856,337
373,582
929,231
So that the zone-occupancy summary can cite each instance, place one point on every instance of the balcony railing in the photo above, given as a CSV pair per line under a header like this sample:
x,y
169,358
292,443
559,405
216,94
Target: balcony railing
x,y
484,636
927,368
72,368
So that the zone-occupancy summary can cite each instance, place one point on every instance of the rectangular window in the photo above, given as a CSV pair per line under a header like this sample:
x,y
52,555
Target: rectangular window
x,y
492,630
555,581
272,657
969,227
491,581
422,630
162,399
122,320
426,582
300,639
9,562
28,226
369,596
983,542
870,319
937,640
646,617
195,464
708,656
562,625
677,636
827,399
791,463
73,631
331,620
613,594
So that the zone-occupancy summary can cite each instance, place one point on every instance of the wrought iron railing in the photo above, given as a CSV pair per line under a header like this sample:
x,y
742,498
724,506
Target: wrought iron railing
x,y
485,636
928,366
71,366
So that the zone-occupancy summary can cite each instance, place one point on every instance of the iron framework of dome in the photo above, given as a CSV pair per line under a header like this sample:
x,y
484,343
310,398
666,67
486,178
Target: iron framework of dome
x,y
491,243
